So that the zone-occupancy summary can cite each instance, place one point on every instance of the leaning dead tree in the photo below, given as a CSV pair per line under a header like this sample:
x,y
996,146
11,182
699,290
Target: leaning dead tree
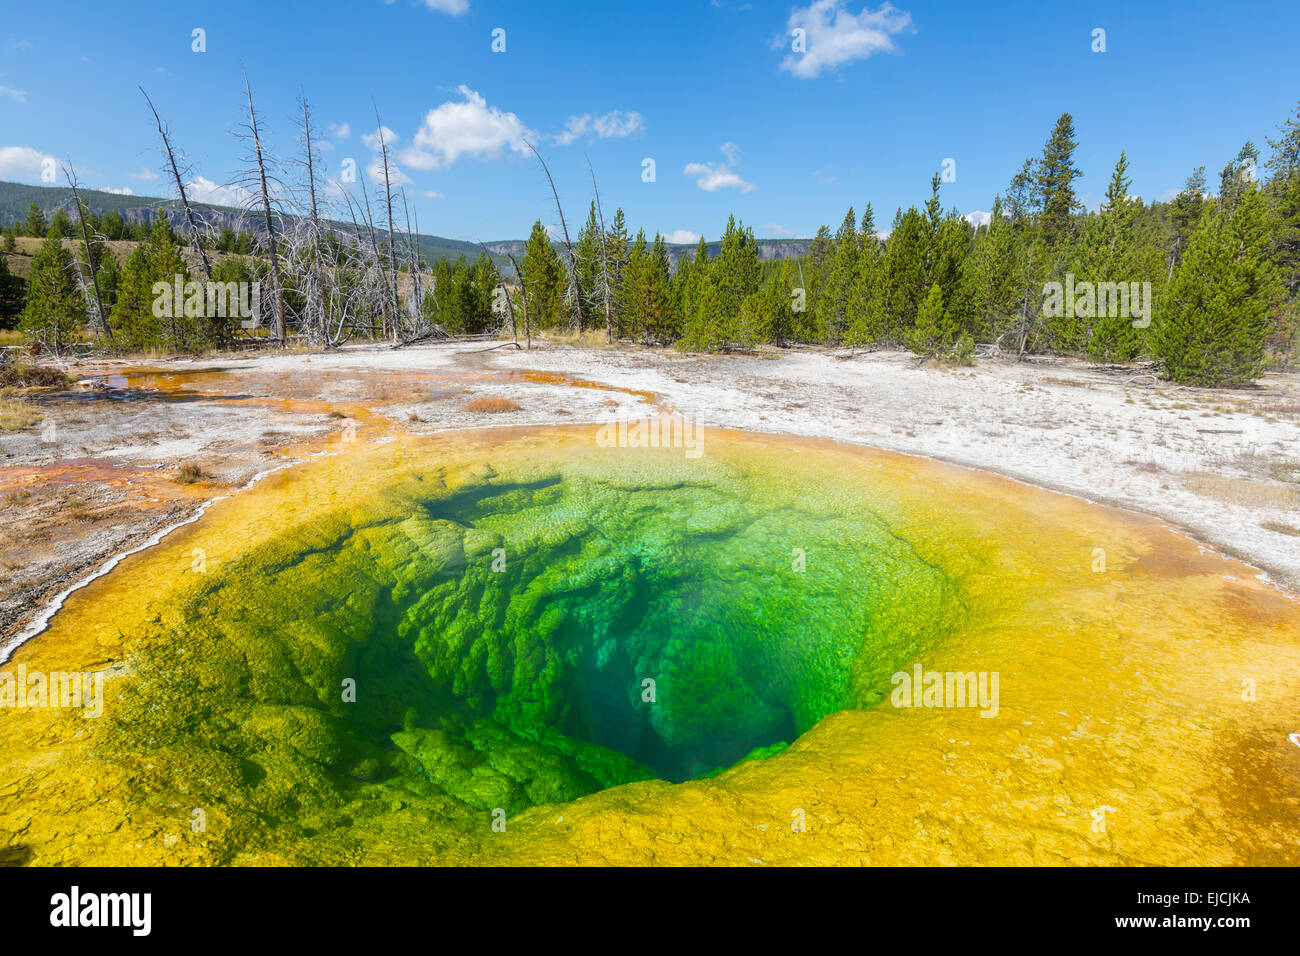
x,y
574,287
92,266
604,258
255,175
178,175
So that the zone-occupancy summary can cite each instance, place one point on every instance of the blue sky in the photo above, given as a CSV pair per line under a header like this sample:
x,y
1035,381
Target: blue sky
x,y
733,118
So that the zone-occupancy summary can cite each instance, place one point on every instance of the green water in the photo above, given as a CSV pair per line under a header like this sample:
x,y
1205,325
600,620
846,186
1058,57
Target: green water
x,y
500,639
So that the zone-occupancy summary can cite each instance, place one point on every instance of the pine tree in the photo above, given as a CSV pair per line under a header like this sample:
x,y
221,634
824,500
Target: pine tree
x,y
617,244
112,225
61,225
949,248
661,320
544,276
701,265
932,334
933,207
1119,245
1214,318
902,278
1238,176
780,304
167,265
863,313
735,274
680,293
633,304
993,277
35,224
132,318
12,291
1054,179
1284,196
838,301
586,252
812,324
1185,214
55,308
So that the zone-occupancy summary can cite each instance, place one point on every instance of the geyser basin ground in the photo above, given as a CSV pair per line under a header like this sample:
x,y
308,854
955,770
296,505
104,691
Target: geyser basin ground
x,y
373,657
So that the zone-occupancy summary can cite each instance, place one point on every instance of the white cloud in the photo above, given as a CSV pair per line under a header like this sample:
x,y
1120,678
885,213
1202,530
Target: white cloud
x,y
682,237
978,218
714,176
469,128
453,7
145,175
340,131
616,124
396,177
777,229
711,177
201,189
835,36
18,96
430,194
124,191
372,139
23,162
375,169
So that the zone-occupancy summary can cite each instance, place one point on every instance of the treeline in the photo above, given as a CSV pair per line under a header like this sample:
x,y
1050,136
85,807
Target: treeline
x,y
314,279
113,227
54,307
1205,283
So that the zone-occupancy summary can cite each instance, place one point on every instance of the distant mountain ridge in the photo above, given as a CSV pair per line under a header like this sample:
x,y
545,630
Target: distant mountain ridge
x,y
15,198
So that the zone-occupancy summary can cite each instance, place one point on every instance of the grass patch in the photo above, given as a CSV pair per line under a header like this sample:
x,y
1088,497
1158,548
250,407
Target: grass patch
x,y
23,374
1242,491
16,414
190,472
491,405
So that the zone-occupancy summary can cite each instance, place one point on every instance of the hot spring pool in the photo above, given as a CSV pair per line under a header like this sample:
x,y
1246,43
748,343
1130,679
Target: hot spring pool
x,y
519,646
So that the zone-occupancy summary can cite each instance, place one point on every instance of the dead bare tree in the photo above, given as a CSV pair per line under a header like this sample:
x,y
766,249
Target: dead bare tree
x,y
523,295
97,306
388,296
178,175
388,199
256,176
604,257
575,287
412,256
316,233
421,328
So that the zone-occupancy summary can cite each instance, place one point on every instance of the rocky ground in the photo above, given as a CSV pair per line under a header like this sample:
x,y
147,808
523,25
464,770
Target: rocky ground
x,y
135,447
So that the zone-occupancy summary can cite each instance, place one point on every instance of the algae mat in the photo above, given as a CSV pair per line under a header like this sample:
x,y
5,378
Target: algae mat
x,y
521,646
